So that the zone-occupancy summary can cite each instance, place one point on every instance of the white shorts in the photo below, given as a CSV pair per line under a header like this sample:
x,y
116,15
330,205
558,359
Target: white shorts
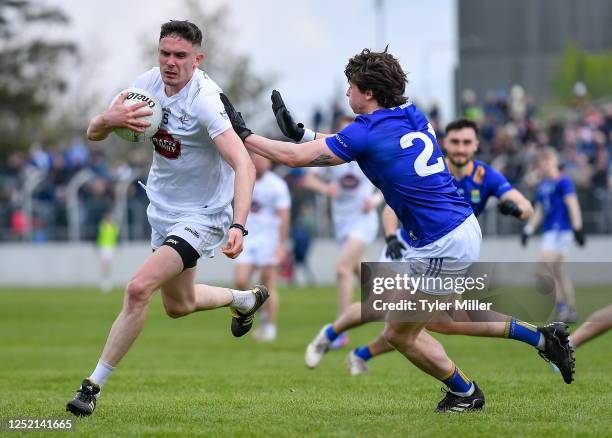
x,y
557,241
204,232
449,256
259,251
107,253
363,227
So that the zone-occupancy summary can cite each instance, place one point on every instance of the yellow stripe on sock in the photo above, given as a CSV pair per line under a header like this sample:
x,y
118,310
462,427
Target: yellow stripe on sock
x,y
507,328
452,371
531,327
465,378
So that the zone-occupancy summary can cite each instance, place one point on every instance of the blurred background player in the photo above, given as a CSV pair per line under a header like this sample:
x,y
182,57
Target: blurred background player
x,y
558,210
108,236
191,185
268,225
354,202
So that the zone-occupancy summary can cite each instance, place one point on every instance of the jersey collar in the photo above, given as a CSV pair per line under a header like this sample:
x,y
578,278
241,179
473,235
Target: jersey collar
x,y
468,174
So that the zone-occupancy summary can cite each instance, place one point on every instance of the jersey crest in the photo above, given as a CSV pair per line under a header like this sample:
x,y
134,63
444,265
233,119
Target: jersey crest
x,y
166,145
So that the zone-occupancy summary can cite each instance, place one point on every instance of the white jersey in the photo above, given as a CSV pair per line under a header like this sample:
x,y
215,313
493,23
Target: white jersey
x,y
354,188
269,195
188,173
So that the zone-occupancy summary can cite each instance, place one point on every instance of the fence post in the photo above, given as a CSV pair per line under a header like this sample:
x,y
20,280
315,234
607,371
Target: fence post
x,y
72,202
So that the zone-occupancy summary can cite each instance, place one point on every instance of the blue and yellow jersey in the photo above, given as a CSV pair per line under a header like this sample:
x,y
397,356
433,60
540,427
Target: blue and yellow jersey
x,y
480,183
551,194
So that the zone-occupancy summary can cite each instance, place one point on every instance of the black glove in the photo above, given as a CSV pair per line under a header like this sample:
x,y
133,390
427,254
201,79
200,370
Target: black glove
x,y
235,118
394,247
290,129
524,238
579,237
509,208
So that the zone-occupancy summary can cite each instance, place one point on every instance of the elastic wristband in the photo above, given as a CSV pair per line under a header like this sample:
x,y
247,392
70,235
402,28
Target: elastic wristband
x,y
309,135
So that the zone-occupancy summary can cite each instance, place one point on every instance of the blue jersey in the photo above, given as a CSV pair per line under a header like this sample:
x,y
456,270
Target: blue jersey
x,y
551,194
397,150
482,182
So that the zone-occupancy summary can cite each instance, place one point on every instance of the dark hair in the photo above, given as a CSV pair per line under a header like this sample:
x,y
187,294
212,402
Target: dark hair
x,y
184,29
458,124
379,72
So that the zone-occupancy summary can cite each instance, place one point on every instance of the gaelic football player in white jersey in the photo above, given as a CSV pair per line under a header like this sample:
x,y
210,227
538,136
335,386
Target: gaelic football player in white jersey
x,y
191,185
268,226
354,202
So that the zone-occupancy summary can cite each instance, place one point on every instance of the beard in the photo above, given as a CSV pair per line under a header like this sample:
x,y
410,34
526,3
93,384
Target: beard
x,y
456,163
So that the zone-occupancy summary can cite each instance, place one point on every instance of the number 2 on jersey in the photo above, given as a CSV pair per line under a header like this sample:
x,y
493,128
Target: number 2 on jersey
x,y
420,164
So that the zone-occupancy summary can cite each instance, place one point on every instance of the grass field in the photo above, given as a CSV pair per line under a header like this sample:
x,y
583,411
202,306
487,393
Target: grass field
x,y
191,377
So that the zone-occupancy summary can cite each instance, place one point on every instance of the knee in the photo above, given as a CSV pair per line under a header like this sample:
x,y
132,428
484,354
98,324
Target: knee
x,y
177,310
399,340
137,293
391,336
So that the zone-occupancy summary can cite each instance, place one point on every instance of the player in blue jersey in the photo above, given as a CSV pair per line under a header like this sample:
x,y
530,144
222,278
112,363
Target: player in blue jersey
x,y
558,210
476,182
395,146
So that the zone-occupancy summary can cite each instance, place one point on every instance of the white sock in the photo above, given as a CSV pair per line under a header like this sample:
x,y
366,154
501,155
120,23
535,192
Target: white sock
x,y
467,393
243,300
541,343
101,373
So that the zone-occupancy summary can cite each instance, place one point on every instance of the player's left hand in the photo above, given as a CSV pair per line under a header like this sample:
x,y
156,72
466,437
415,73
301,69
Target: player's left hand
x,y
284,119
579,237
395,248
235,118
509,208
234,245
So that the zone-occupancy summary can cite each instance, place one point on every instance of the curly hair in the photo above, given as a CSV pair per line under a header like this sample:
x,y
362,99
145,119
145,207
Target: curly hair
x,y
379,72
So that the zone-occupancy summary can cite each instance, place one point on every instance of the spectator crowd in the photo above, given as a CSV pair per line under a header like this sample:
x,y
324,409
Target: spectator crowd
x,y
36,185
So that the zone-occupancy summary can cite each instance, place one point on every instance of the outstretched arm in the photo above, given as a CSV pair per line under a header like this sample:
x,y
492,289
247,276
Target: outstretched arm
x,y
314,153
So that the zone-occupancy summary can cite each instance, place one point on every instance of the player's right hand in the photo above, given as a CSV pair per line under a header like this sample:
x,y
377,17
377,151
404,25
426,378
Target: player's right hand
x,y
395,248
290,129
235,118
509,208
234,245
122,116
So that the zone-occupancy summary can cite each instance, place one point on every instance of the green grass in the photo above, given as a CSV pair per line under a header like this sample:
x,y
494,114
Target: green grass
x,y
191,377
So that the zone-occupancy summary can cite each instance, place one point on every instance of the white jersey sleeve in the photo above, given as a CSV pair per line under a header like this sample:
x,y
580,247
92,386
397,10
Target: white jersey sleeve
x,y
212,115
